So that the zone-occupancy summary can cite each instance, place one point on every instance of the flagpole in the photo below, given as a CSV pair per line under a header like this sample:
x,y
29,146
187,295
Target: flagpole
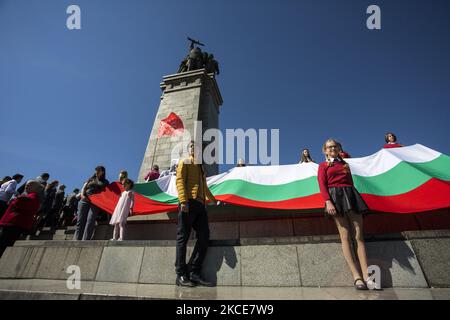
x,y
154,151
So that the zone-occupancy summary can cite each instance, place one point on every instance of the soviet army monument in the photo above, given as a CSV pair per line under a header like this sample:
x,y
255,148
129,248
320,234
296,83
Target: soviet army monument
x,y
193,95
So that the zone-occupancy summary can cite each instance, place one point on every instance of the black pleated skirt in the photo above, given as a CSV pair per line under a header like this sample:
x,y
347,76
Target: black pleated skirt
x,y
347,199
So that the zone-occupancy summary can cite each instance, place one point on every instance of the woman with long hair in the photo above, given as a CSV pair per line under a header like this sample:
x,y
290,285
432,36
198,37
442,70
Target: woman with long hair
x,y
306,156
345,205
87,212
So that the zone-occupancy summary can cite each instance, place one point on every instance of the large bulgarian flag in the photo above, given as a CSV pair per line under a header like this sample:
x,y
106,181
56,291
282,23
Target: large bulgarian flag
x,y
400,180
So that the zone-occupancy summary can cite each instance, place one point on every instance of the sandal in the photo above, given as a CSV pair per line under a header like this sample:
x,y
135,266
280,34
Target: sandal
x,y
360,286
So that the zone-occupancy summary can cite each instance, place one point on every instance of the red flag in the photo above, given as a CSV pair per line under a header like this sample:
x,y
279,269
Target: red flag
x,y
171,126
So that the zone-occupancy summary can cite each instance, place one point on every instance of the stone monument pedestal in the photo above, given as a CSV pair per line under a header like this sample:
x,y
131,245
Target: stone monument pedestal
x,y
193,96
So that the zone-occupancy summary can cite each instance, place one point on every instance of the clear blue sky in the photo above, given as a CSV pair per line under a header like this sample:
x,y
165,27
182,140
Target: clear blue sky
x,y
70,100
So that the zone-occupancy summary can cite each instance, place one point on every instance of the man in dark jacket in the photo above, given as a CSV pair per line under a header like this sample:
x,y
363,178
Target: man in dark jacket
x,y
69,208
45,210
57,205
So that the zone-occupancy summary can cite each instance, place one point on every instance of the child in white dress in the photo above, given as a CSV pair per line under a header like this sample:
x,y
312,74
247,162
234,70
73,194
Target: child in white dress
x,y
123,209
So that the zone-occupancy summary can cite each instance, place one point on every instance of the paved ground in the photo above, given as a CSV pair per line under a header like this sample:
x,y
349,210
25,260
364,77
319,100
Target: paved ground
x,y
13,289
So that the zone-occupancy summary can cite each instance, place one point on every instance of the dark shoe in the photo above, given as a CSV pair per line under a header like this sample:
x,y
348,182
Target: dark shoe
x,y
361,286
197,280
183,281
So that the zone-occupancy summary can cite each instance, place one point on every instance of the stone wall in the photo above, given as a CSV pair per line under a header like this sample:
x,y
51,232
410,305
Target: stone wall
x,y
193,96
413,260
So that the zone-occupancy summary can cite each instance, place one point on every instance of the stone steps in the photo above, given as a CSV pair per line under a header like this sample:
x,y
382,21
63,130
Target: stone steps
x,y
42,295
57,290
231,223
416,259
47,234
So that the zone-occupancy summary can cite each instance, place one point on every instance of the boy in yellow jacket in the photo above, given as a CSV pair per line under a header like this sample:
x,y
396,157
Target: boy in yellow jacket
x,y
192,194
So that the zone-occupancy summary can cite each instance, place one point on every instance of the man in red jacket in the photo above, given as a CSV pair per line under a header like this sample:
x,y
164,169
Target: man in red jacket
x,y
20,215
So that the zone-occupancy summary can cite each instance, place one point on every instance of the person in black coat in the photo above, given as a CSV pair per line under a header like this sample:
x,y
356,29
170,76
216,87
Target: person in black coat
x,y
46,205
69,208
57,205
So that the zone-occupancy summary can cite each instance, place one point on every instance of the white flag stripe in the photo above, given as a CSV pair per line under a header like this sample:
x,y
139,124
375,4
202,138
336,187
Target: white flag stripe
x,y
373,165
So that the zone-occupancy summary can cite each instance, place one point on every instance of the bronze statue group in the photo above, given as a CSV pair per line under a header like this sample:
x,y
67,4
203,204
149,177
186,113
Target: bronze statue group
x,y
197,59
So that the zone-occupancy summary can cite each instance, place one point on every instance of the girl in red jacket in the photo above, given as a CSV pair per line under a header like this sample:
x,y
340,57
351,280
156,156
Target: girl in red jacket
x,y
346,206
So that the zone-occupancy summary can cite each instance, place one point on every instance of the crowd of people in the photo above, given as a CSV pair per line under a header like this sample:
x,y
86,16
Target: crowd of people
x,y
39,203
55,207
32,206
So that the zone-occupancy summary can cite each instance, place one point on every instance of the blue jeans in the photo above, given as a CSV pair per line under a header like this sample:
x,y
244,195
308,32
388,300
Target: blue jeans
x,y
87,213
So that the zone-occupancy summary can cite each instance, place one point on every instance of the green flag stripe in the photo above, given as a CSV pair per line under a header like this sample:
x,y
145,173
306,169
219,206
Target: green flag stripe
x,y
402,178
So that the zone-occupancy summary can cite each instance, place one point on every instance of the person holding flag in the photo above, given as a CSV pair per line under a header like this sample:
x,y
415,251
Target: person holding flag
x,y
391,141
